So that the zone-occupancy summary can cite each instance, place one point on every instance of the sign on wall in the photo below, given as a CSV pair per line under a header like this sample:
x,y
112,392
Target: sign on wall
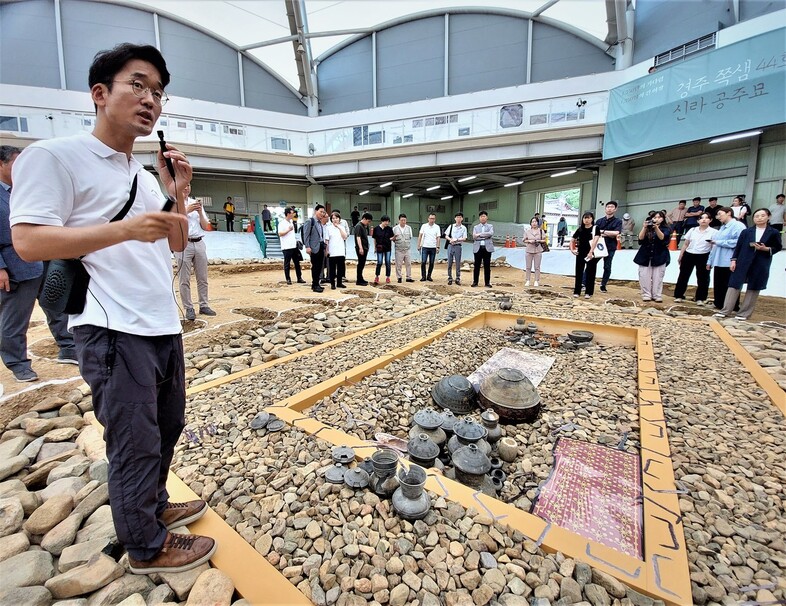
x,y
730,89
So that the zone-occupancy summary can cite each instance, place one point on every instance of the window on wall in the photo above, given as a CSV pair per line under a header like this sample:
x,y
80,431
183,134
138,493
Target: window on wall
x,y
12,123
487,206
563,203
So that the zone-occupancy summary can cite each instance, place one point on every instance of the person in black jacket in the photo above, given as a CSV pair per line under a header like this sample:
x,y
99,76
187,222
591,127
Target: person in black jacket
x,y
750,264
653,256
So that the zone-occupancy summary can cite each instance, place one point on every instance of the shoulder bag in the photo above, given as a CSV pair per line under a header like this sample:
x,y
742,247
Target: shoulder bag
x,y
544,245
600,248
65,283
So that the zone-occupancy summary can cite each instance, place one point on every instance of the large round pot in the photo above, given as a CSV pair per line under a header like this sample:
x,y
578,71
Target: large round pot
x,y
510,394
456,394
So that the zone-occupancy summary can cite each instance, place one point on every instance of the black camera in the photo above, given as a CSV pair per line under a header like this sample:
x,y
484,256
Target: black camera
x,y
649,223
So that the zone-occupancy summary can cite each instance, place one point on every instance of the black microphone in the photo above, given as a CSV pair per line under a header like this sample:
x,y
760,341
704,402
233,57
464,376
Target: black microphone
x,y
162,144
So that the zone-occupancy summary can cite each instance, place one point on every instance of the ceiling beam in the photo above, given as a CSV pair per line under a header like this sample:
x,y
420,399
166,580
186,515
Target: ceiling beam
x,y
298,28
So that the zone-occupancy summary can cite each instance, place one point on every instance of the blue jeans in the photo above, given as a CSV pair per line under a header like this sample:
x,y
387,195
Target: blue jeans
x,y
383,257
427,255
607,267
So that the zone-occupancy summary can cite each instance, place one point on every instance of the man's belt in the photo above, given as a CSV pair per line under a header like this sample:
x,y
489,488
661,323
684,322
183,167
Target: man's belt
x,y
199,239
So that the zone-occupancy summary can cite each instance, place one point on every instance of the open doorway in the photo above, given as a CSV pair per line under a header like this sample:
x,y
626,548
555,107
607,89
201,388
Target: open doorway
x,y
557,204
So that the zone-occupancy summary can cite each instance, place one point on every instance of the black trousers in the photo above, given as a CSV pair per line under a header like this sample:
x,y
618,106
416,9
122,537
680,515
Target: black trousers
x,y
720,285
267,225
585,271
139,396
678,229
317,261
689,262
291,255
337,270
483,256
361,265
230,222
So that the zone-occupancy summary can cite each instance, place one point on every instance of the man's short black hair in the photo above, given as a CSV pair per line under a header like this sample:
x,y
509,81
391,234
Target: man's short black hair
x,y
288,211
317,207
402,216
483,213
613,203
367,216
682,202
108,63
697,198
7,153
459,214
713,198
780,196
384,218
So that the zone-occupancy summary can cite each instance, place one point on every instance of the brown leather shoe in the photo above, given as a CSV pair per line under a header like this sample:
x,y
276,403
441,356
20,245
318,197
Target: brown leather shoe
x,y
180,514
180,552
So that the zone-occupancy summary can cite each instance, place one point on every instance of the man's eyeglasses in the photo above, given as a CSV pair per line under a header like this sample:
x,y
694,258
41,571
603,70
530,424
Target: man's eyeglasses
x,y
160,98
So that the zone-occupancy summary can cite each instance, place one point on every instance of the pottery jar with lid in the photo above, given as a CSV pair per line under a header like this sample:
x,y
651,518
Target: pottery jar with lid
x,y
422,450
468,432
471,465
429,422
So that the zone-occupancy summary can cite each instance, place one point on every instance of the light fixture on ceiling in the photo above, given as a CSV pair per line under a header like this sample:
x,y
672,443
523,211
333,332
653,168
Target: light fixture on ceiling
x,y
636,157
465,179
407,195
432,188
446,197
513,184
564,172
750,133
388,184
363,193
476,191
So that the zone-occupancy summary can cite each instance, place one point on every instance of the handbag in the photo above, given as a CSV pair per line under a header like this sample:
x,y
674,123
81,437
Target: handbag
x,y
299,244
66,281
544,245
600,249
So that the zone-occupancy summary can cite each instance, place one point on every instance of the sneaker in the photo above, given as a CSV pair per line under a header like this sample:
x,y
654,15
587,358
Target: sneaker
x,y
535,283
526,283
701,303
575,296
180,514
740,318
603,289
376,280
719,315
206,311
410,280
190,315
25,376
301,281
646,299
387,280
399,280
67,357
679,300
450,281
458,282
587,296
180,552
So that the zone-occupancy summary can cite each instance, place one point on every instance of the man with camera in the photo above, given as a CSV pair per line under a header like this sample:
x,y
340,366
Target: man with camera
x,y
610,227
194,257
128,335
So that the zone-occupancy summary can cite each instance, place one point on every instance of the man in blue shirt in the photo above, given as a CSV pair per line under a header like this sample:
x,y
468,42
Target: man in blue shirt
x,y
692,215
19,285
610,227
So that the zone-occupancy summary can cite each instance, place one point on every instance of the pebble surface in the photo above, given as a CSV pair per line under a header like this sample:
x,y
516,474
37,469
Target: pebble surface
x,y
341,546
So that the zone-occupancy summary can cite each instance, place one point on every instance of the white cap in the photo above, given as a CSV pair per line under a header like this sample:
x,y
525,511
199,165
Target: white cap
x,y
626,216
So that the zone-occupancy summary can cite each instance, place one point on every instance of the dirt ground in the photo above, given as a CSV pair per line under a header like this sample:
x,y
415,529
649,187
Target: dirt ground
x,y
235,288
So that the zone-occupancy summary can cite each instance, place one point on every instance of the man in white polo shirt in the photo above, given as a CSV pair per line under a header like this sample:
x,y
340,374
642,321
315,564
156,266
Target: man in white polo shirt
x,y
128,336
428,243
194,257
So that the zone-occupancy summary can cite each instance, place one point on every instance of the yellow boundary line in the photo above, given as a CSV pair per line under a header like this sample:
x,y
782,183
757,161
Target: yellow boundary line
x,y
762,377
664,572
